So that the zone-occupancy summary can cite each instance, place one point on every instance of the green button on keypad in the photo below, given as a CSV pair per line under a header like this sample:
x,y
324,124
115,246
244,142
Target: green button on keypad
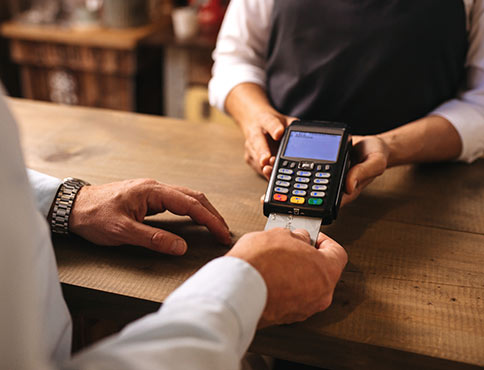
x,y
315,201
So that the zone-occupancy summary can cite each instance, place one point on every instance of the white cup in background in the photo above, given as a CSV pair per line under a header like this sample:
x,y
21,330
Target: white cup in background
x,y
185,22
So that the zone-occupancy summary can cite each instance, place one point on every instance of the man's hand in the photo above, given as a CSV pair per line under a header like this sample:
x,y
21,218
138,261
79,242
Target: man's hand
x,y
113,214
369,159
300,278
262,136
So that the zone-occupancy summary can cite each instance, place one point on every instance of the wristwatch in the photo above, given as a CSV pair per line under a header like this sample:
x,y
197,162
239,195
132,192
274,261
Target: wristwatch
x,y
63,204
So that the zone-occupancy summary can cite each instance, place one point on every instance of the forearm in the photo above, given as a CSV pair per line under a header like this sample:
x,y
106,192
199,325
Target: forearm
x,y
247,101
430,139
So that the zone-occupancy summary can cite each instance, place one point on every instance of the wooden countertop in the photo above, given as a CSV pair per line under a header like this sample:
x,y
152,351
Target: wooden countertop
x,y
412,294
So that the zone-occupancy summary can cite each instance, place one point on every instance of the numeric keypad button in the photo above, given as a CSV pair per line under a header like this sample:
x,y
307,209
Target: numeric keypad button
x,y
284,177
320,187
286,171
304,173
304,180
318,194
281,190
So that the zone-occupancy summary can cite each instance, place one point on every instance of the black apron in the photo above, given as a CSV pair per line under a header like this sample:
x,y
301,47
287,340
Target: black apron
x,y
374,64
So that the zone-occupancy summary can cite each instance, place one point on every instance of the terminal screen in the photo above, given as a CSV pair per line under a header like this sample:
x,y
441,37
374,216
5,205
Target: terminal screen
x,y
312,145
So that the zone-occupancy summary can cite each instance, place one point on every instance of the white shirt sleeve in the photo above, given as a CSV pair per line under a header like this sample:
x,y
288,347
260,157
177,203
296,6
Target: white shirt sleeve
x,y
241,46
45,188
207,323
466,111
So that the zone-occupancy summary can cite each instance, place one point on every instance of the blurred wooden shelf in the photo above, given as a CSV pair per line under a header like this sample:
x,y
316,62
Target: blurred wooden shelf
x,y
121,39
96,67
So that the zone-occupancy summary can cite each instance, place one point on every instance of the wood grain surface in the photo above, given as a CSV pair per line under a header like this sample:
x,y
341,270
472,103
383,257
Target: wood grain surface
x,y
412,294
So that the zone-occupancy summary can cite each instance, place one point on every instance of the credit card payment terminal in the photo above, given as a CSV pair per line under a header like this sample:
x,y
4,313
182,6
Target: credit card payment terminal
x,y
308,179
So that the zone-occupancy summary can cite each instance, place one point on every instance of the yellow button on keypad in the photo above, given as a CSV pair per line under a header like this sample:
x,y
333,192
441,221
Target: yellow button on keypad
x,y
297,200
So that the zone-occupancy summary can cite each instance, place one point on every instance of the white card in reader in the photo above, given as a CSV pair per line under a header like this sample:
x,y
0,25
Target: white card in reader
x,y
291,222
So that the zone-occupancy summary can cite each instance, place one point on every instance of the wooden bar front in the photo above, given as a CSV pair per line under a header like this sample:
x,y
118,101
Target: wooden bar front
x,y
412,294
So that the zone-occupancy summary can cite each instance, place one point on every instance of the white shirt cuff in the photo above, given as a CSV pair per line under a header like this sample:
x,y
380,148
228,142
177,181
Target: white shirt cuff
x,y
224,82
236,284
469,123
45,188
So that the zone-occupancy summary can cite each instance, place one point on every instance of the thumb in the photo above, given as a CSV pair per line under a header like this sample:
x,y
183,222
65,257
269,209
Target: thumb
x,y
374,165
274,127
332,250
302,234
156,239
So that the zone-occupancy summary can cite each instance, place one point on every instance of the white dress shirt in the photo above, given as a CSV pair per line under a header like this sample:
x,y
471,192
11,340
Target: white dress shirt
x,y
242,44
207,323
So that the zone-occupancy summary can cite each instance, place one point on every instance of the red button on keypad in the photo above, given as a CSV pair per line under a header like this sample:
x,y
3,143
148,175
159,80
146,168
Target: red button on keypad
x,y
280,197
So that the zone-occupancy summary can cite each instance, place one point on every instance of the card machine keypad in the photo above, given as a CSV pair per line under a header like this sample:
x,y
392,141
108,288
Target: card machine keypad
x,y
308,176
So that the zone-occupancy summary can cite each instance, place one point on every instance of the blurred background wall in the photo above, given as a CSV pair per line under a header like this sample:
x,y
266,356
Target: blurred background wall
x,y
112,54
8,71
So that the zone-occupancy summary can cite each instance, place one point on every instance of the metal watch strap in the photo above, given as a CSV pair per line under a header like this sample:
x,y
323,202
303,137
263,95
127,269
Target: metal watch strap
x,y
63,204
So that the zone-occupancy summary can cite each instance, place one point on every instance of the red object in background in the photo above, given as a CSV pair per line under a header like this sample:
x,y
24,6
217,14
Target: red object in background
x,y
210,15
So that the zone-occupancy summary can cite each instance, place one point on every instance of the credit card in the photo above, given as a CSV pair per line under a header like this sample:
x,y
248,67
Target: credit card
x,y
291,222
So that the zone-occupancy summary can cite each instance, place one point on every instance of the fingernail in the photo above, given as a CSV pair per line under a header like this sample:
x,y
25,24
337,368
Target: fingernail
x,y
178,247
355,184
